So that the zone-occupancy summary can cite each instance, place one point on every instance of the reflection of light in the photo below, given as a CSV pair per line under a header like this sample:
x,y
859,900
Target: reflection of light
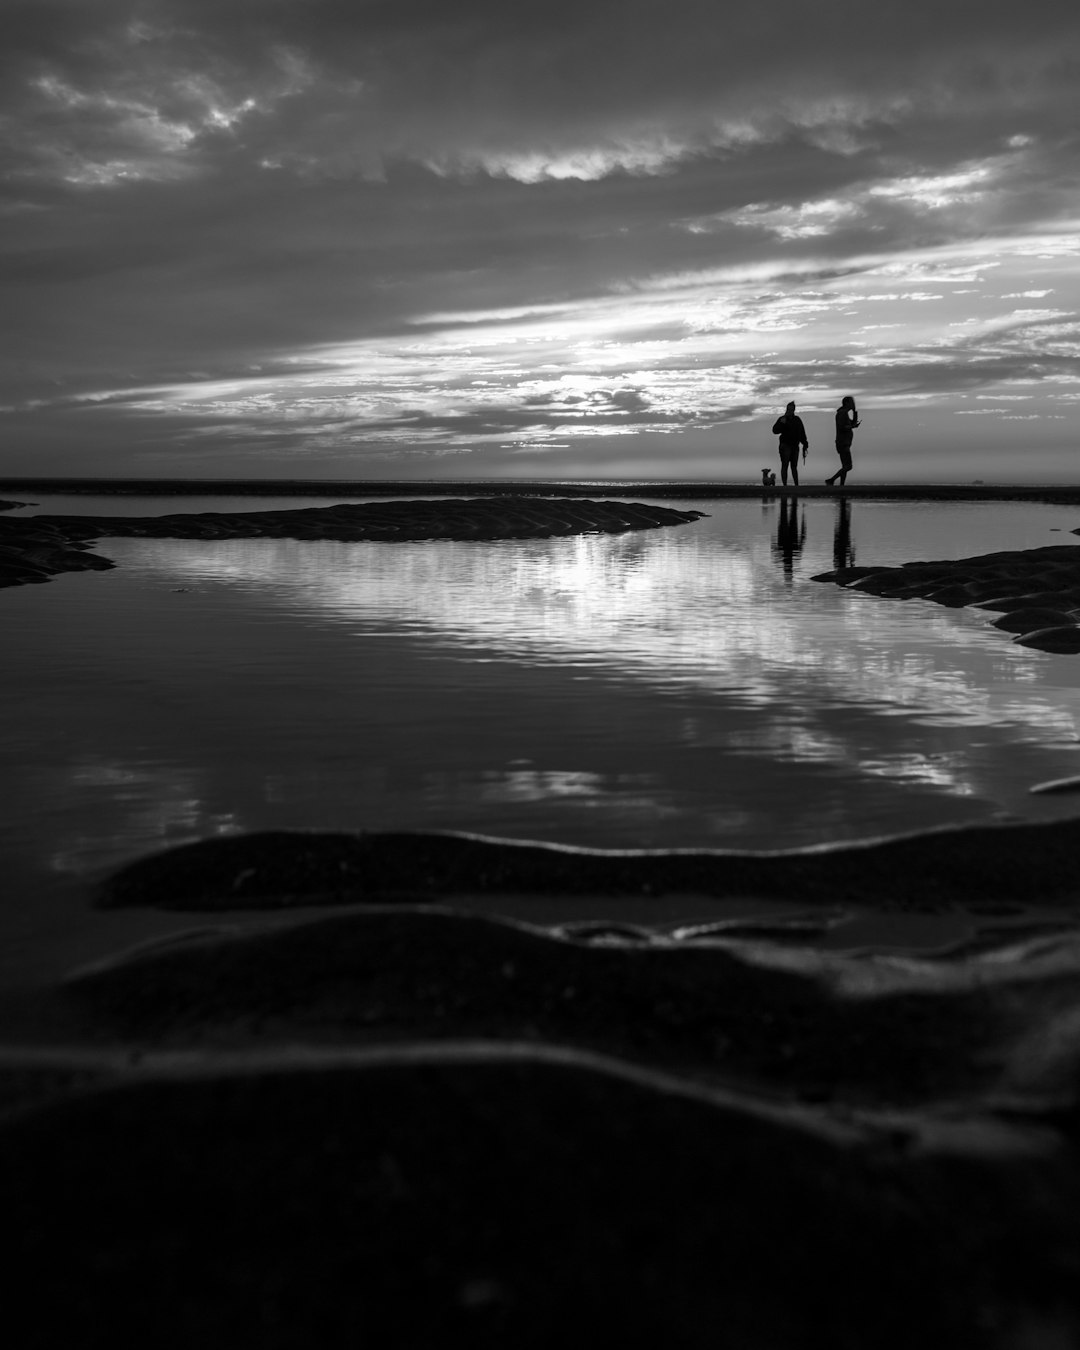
x,y
944,771
163,806
674,609
533,785
628,796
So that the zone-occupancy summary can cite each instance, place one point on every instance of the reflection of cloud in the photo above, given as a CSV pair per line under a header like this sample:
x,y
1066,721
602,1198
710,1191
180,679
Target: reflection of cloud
x,y
159,806
947,771
692,612
619,796
532,785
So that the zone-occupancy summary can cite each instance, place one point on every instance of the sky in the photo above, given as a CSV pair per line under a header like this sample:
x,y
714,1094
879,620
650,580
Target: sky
x,y
427,239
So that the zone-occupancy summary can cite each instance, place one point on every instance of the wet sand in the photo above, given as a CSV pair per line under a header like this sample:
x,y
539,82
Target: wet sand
x,y
427,1125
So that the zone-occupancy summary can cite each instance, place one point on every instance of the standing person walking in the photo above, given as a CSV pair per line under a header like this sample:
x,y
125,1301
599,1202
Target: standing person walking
x,y
792,435
847,419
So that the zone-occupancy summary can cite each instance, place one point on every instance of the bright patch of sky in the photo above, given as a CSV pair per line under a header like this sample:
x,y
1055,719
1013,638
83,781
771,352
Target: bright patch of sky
x,y
696,354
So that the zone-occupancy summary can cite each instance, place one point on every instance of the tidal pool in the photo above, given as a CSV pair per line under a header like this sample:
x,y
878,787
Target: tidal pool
x,y
685,687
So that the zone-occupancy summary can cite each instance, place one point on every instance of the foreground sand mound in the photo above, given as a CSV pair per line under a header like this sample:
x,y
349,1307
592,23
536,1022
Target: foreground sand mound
x,y
37,548
471,1194
403,1125
806,1024
1037,589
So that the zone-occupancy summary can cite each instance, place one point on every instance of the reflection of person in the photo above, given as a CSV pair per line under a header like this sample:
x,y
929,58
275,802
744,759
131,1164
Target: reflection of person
x,y
843,549
847,419
790,533
792,435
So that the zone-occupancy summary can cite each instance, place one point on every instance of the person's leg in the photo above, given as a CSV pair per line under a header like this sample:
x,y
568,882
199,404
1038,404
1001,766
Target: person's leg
x,y
783,466
844,452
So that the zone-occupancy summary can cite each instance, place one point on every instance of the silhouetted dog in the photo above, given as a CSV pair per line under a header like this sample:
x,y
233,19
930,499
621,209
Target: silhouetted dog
x,y
768,478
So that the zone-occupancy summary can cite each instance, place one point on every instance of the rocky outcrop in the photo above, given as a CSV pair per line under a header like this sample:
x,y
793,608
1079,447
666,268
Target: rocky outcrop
x,y
1036,590
34,549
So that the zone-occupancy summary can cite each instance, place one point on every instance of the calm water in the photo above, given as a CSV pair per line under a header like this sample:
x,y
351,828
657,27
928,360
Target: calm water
x,y
681,687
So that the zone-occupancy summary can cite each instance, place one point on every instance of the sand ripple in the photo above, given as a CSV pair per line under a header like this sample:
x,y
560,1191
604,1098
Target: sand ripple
x,y
405,1125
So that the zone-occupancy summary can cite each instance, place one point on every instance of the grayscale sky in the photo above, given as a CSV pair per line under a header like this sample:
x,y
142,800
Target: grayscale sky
x,y
482,238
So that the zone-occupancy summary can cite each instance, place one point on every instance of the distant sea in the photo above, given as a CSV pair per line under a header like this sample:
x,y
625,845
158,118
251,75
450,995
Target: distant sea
x,y
663,488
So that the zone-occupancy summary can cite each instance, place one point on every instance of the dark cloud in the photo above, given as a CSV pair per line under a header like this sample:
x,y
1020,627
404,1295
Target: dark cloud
x,y
342,88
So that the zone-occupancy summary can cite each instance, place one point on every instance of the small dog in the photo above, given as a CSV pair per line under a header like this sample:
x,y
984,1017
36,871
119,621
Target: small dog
x,y
768,478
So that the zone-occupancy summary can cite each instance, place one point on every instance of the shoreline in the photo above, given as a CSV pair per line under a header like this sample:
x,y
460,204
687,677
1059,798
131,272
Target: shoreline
x,y
1053,493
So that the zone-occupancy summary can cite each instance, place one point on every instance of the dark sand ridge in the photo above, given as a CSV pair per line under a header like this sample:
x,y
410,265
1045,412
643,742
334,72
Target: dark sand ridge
x,y
978,1029
929,871
1036,590
34,548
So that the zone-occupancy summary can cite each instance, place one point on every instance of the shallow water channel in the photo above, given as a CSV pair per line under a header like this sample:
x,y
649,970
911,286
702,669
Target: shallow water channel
x,y
684,687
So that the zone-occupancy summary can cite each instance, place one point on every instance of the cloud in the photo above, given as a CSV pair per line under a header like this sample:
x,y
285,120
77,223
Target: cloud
x,y
269,221
558,89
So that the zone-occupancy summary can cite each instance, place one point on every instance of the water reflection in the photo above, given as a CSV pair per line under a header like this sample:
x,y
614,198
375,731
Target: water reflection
x,y
670,688
153,805
790,535
694,613
843,548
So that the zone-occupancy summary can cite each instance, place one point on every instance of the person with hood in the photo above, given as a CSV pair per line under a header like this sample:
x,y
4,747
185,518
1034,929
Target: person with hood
x,y
792,435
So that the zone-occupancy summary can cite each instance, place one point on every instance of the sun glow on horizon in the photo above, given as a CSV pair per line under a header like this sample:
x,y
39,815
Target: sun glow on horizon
x,y
943,327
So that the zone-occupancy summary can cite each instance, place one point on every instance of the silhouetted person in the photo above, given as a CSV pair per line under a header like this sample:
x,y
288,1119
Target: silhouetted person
x,y
792,435
843,552
790,533
847,419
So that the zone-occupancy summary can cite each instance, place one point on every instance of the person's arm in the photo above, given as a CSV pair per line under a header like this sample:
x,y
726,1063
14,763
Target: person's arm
x,y
802,436
778,426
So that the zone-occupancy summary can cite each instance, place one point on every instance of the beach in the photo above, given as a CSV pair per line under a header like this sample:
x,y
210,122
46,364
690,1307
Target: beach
x,y
483,863
366,1089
